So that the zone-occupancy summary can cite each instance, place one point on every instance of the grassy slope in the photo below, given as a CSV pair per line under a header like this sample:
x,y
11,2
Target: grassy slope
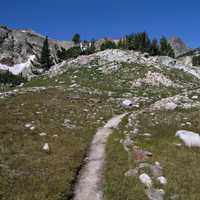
x,y
26,172
181,164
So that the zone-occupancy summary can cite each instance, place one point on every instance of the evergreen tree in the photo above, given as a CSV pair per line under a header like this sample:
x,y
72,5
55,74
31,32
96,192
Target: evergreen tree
x,y
7,78
196,60
108,44
165,48
139,42
76,38
122,44
45,58
154,48
61,54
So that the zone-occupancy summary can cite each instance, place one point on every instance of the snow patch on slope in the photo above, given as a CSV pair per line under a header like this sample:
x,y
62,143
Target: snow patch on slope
x,y
18,68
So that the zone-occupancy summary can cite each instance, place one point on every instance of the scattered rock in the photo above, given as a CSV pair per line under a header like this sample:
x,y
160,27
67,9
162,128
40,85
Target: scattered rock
x,y
55,135
42,134
195,97
162,180
67,123
147,134
146,180
32,128
189,138
28,125
141,155
46,147
156,170
127,103
132,172
155,194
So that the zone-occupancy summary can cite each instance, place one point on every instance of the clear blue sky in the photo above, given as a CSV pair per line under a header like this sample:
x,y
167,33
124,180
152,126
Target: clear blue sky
x,y
60,19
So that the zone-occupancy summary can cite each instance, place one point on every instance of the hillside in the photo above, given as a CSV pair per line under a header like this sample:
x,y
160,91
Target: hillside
x,y
112,116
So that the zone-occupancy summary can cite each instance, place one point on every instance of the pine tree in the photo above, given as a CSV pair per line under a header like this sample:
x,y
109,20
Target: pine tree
x,y
122,44
196,60
165,48
45,58
76,38
108,44
154,48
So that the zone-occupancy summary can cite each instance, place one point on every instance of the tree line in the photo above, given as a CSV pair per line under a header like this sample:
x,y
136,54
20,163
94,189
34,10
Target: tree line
x,y
136,41
7,78
141,42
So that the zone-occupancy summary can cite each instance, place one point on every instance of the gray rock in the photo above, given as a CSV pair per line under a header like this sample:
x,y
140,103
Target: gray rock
x,y
155,194
178,46
16,45
156,170
132,172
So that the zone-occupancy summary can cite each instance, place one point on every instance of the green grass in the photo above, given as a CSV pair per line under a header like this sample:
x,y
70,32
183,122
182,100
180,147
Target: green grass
x,y
26,171
180,164
116,185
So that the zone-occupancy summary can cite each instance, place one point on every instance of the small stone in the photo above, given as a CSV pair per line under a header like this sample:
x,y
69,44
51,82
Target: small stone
x,y
32,128
28,125
155,194
147,134
146,180
156,170
189,123
162,180
131,172
135,131
182,124
178,144
195,97
127,103
55,135
42,134
46,147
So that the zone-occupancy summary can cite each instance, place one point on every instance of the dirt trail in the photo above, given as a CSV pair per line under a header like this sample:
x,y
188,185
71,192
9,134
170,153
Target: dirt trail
x,y
89,183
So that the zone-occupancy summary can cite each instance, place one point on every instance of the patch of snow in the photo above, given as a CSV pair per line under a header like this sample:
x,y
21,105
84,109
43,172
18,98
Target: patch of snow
x,y
146,180
18,68
189,138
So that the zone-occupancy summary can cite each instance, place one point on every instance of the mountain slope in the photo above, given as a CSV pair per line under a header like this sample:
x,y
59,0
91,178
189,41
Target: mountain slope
x,y
178,46
65,107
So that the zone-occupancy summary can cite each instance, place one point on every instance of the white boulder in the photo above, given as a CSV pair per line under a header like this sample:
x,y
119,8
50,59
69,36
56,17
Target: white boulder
x,y
189,138
146,180
127,103
162,180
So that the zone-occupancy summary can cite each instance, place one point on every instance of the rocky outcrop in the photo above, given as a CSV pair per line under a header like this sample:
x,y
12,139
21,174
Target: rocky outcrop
x,y
178,46
17,45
